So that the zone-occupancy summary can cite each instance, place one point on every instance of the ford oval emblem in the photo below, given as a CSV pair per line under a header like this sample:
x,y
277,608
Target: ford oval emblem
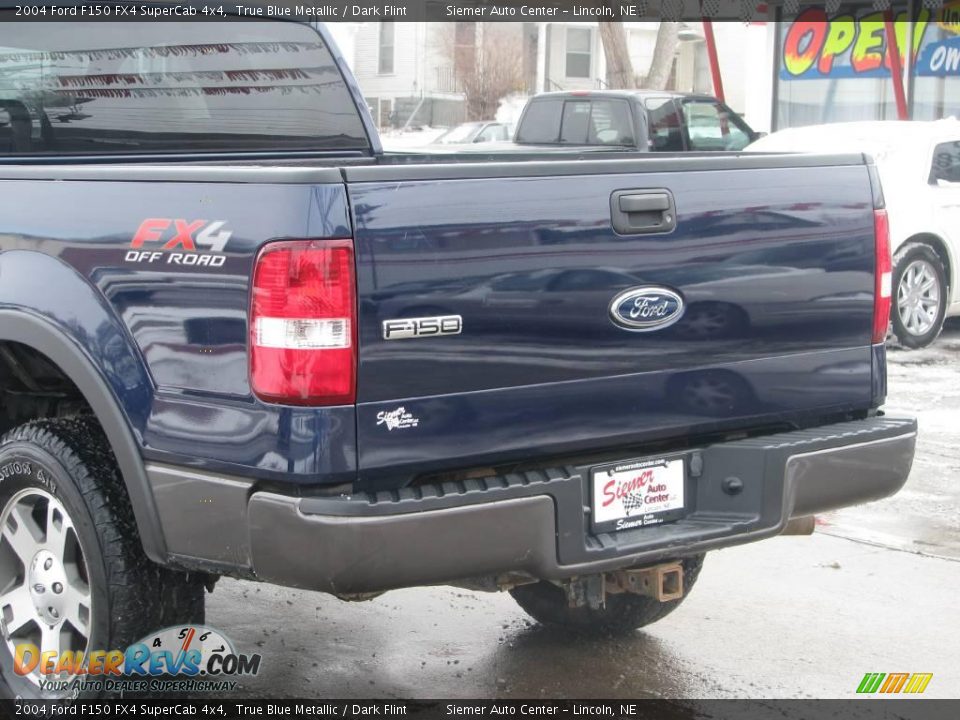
x,y
647,308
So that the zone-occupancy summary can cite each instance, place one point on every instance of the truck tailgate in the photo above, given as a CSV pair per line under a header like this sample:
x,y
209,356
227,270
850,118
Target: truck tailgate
x,y
772,260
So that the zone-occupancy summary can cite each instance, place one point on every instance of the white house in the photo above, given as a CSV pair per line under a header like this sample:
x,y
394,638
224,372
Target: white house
x,y
406,72
403,70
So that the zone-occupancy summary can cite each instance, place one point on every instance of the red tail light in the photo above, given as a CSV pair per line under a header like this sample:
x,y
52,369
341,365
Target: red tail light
x,y
884,276
303,323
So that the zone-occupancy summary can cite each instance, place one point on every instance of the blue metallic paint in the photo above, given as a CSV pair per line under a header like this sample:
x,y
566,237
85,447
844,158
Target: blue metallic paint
x,y
779,305
172,341
777,326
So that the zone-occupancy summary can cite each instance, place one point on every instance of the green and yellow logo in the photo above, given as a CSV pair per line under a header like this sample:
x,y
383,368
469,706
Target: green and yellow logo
x,y
914,683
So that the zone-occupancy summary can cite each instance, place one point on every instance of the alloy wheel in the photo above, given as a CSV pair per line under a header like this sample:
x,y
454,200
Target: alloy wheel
x,y
918,297
45,596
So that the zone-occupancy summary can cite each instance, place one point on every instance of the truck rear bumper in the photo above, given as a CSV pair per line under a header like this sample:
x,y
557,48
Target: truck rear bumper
x,y
538,522
535,522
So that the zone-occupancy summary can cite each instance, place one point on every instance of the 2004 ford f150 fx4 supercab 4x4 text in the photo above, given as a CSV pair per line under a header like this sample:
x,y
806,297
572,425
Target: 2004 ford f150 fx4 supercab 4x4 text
x,y
236,338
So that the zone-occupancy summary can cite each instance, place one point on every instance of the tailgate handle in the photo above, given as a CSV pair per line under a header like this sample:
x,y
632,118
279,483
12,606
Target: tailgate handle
x,y
633,212
644,203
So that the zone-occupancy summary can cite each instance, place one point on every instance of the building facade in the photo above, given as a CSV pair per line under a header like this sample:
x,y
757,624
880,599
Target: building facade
x,y
408,71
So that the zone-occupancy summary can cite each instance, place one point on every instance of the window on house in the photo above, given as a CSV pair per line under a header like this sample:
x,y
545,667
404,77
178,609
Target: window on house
x,y
385,66
578,52
465,48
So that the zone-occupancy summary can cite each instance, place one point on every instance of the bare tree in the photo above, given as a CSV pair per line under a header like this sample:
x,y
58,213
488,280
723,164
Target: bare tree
x,y
664,55
488,63
620,73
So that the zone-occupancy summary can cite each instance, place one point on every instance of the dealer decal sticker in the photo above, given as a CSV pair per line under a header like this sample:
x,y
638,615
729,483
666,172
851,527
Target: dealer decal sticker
x,y
397,419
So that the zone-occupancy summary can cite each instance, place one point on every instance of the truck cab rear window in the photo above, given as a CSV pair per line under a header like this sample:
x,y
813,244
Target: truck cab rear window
x,y
136,88
541,122
582,122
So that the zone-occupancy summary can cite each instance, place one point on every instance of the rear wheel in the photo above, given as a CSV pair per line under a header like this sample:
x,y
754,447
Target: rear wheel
x,y
73,575
919,295
622,613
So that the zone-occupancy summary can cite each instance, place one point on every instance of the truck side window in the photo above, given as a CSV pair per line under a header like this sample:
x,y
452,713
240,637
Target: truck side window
x,y
664,123
541,121
68,88
946,163
711,126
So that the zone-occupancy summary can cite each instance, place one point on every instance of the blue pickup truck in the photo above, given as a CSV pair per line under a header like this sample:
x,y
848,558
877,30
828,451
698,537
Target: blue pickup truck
x,y
236,339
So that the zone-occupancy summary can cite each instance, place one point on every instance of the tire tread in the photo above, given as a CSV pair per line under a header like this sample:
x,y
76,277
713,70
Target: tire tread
x,y
142,596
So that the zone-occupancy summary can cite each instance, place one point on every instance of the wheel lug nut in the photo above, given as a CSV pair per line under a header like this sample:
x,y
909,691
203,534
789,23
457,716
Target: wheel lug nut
x,y
57,588
39,589
48,563
53,612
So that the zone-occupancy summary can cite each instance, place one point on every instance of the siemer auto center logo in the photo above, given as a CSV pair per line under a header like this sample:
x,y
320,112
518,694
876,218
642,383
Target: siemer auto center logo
x,y
176,659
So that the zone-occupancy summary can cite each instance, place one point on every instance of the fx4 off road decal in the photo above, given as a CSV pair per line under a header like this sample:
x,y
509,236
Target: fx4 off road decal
x,y
186,242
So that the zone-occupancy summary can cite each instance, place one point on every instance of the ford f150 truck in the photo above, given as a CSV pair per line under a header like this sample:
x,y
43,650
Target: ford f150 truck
x,y
237,339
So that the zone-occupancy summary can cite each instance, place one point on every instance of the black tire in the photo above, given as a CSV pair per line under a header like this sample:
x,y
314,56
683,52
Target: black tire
x,y
909,254
623,613
70,460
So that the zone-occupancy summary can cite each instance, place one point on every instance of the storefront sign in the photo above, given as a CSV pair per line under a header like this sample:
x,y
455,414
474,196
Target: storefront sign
x,y
815,47
940,59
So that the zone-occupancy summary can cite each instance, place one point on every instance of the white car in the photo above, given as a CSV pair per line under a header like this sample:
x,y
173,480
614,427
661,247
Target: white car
x,y
919,167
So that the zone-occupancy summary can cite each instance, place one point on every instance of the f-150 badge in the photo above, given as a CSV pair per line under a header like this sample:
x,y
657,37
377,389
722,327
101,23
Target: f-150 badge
x,y
642,309
422,327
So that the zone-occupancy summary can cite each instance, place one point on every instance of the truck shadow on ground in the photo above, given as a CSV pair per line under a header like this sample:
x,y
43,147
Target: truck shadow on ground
x,y
545,661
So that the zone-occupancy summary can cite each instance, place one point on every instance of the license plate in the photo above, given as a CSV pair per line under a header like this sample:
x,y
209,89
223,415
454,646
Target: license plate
x,y
636,494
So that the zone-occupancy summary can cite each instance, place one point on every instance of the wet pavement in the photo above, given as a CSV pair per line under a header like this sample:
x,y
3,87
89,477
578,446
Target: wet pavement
x,y
924,517
873,590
